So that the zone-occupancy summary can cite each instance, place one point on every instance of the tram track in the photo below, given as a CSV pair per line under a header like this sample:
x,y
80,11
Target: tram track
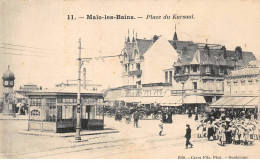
x,y
113,144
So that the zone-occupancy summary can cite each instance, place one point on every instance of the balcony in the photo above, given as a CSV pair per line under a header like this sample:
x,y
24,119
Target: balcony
x,y
197,91
135,72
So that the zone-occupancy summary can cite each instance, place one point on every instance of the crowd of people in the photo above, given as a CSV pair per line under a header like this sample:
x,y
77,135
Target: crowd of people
x,y
229,128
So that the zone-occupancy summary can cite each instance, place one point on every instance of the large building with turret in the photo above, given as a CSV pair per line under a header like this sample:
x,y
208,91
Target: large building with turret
x,y
175,72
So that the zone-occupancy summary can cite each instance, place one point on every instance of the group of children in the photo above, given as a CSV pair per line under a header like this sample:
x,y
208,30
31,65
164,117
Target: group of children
x,y
242,132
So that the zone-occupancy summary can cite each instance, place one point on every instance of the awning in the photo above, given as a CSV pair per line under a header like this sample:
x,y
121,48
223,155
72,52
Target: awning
x,y
194,100
236,102
150,100
171,101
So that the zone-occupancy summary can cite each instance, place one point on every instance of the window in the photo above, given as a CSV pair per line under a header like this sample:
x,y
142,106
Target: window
x,y
243,82
194,86
208,70
194,68
235,82
59,100
221,70
166,77
125,68
51,103
250,81
186,70
36,102
170,76
35,113
138,67
125,56
67,112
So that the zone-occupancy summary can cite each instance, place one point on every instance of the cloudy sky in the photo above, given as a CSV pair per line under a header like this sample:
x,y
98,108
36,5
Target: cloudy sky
x,y
53,39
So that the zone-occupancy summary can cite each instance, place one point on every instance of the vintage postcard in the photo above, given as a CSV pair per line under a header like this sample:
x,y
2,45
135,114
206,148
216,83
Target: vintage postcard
x,y
139,79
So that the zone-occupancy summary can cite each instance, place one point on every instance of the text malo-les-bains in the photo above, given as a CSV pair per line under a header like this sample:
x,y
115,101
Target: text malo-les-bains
x,y
99,17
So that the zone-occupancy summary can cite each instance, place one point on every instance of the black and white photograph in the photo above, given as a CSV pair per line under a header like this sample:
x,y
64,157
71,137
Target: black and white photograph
x,y
130,79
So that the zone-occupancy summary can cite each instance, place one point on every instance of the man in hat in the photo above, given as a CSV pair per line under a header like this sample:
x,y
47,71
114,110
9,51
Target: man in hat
x,y
136,118
188,136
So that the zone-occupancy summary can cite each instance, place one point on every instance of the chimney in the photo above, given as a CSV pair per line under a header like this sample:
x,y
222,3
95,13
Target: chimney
x,y
155,37
225,52
206,50
84,79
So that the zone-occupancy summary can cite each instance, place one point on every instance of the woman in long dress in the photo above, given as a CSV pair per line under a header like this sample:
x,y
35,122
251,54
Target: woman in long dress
x,y
222,136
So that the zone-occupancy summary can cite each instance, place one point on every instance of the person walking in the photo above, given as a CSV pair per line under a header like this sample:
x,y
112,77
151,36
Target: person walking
x,y
190,113
136,118
188,136
196,117
161,128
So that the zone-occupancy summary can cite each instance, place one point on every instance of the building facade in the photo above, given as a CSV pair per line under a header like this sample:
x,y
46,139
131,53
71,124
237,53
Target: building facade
x,y
143,60
241,89
174,72
201,68
55,110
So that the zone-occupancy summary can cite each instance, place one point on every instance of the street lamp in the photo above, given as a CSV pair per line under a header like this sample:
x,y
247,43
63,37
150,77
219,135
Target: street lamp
x,y
80,63
78,127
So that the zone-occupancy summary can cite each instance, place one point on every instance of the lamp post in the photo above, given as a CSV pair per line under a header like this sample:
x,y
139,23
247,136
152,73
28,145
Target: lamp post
x,y
80,63
78,126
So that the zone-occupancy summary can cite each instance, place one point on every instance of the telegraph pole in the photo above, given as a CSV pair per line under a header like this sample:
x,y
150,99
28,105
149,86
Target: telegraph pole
x,y
78,126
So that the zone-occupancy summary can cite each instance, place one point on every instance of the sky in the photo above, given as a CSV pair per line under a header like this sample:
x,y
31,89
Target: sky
x,y
43,26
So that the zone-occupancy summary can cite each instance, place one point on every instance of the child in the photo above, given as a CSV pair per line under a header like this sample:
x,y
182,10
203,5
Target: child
x,y
161,128
236,139
242,137
251,136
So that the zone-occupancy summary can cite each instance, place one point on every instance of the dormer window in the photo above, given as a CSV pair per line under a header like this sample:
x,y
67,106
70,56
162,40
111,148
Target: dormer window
x,y
194,68
186,70
221,70
208,70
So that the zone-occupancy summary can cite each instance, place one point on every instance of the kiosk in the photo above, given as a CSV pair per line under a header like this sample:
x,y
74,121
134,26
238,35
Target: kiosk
x,y
55,110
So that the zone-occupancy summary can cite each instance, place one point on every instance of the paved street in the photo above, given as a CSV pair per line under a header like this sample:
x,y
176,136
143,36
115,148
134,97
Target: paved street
x,y
130,142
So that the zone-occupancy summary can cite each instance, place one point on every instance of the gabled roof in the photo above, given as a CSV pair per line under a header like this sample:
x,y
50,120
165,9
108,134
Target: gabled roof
x,y
181,44
143,45
246,57
216,56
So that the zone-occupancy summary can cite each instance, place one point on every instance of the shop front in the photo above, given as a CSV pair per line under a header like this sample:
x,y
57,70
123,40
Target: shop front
x,y
55,111
236,103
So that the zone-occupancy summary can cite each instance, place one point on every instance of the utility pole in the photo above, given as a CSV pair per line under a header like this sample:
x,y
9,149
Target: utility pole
x,y
78,126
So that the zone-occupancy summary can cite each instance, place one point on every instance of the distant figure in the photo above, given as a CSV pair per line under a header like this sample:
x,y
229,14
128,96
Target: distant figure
x,y
136,118
164,117
190,114
161,128
196,117
188,136
210,132
169,119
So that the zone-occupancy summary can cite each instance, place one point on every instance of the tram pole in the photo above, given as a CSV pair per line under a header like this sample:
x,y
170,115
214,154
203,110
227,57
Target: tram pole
x,y
78,126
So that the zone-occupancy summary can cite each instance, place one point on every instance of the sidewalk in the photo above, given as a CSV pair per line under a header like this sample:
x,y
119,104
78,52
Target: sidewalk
x,y
71,134
10,117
